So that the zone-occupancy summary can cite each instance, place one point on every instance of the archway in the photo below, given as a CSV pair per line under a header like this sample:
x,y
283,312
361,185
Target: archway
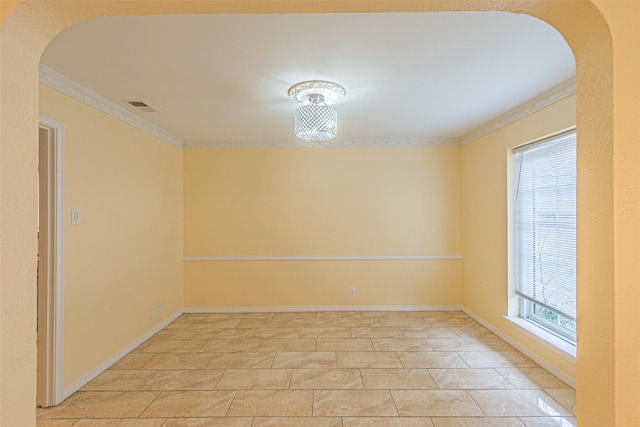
x,y
34,23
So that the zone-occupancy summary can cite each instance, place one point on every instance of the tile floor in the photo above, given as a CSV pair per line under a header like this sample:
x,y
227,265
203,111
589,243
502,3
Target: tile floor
x,y
334,369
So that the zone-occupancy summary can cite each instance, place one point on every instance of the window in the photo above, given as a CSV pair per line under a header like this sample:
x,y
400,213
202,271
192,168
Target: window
x,y
545,233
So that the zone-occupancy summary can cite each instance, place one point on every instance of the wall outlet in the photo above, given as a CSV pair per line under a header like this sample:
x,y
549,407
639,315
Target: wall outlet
x,y
153,311
160,308
352,292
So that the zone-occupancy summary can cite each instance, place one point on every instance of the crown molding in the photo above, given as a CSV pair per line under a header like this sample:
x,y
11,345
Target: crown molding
x,y
555,94
57,81
340,143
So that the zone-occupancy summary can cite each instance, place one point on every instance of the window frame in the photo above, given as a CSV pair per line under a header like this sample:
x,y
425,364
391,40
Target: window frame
x,y
527,312
521,309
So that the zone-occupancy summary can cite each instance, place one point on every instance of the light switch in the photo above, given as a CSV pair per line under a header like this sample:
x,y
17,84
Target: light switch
x,y
75,216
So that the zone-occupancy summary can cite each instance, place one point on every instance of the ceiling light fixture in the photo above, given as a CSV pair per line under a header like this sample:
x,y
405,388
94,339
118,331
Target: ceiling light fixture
x,y
315,120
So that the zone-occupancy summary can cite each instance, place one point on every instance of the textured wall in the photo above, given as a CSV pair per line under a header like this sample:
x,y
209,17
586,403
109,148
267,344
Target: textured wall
x,y
126,254
604,37
330,202
485,218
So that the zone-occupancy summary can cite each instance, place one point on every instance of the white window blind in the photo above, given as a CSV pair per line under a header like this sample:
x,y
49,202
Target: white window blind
x,y
546,223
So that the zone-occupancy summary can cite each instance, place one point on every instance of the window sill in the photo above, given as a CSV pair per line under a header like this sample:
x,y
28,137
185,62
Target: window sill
x,y
546,339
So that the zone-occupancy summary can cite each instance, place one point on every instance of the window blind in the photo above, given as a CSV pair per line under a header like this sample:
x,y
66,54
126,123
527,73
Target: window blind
x,y
546,223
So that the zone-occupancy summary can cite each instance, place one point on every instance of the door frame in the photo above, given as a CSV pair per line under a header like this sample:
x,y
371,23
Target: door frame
x,y
50,355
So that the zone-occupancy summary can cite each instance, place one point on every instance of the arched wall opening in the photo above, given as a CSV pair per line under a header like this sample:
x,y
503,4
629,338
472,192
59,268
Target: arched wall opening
x,y
265,203
33,24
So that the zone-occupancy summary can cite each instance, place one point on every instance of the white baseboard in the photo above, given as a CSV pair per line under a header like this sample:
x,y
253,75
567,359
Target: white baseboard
x,y
119,355
322,308
531,355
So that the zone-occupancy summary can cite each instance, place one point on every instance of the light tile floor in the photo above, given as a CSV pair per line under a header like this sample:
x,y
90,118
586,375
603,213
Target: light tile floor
x,y
337,369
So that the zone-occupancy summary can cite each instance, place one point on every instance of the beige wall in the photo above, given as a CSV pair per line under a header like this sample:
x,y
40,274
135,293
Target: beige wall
x,y
321,283
623,18
329,202
126,255
604,37
485,218
6,7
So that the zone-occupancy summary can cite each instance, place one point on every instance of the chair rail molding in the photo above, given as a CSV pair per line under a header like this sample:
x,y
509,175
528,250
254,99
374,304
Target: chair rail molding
x,y
321,257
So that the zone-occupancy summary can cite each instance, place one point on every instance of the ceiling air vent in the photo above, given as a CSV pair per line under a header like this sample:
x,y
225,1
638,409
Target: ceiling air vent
x,y
142,106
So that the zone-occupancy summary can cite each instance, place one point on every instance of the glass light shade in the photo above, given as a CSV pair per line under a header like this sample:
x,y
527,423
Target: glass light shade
x,y
315,122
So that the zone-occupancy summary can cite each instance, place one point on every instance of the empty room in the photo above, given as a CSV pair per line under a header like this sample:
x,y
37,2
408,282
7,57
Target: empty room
x,y
388,218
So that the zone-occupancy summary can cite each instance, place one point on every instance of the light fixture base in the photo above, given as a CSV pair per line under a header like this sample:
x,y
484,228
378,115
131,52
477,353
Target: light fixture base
x,y
331,92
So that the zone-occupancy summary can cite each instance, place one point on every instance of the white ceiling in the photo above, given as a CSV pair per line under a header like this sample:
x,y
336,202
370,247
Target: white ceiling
x,y
407,75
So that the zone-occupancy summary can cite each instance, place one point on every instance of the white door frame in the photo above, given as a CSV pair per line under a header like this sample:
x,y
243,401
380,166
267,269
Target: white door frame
x,y
50,390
